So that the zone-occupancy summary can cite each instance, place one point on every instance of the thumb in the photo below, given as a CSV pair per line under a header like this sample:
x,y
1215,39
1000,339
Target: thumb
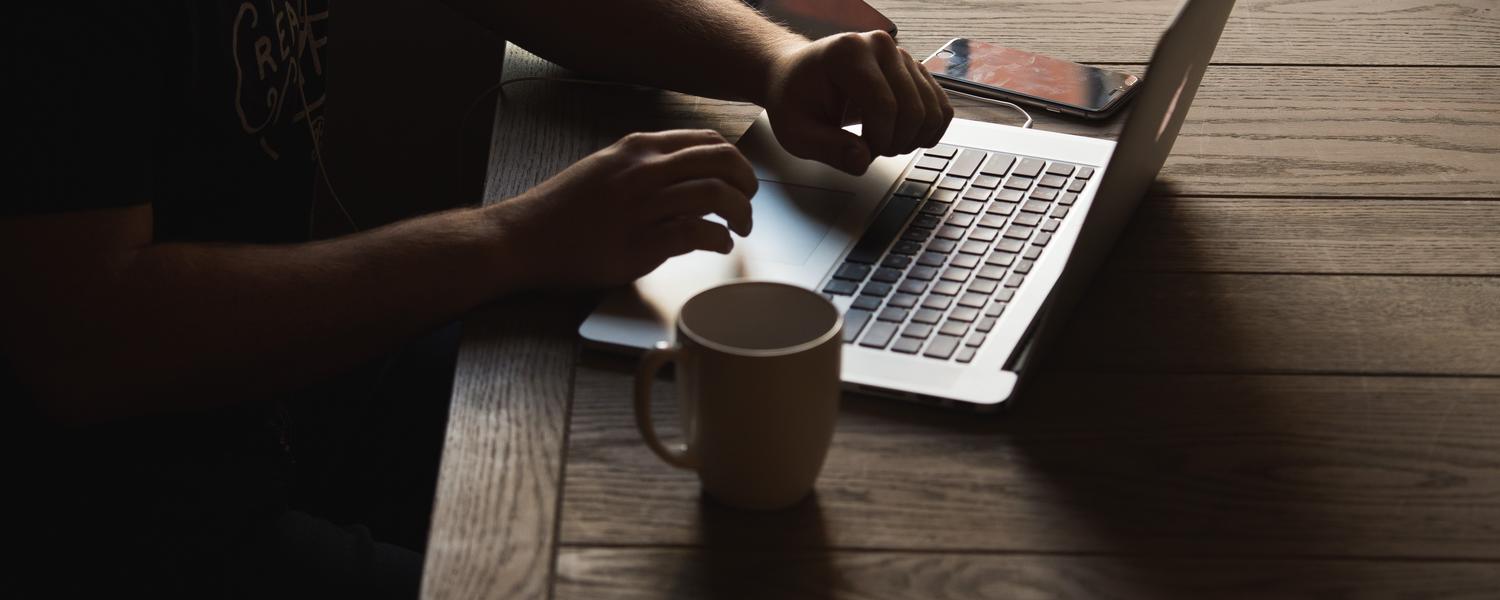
x,y
827,144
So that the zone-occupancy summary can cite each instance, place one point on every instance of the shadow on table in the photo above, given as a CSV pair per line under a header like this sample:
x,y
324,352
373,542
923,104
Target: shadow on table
x,y
753,554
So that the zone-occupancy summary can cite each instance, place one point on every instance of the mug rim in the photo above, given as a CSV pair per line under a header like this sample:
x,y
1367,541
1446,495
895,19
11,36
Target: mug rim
x,y
838,325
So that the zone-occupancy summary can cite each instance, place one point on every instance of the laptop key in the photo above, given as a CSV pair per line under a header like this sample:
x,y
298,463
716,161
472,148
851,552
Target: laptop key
x,y
975,340
917,330
926,315
973,300
914,189
964,261
1059,212
954,328
852,272
1032,252
868,302
1009,245
883,229
937,302
967,163
985,325
1047,194
1004,295
959,219
983,286
927,221
992,272
1028,218
1030,167
878,335
903,300
907,345
1009,195
968,207
1051,181
1000,259
1060,169
1018,183
951,183
949,232
942,347
965,314
1015,280
936,209
943,196
984,234
840,287
912,286
1068,198
1042,238
916,234
998,165
1019,232
966,354
931,259
1035,206
1051,224
989,182
947,288
1077,185
935,163
1084,172
922,176
976,194
995,309
1024,266
886,275
896,261
1001,210
893,314
906,248
854,322
877,288
922,273
941,246
959,275
942,150
974,247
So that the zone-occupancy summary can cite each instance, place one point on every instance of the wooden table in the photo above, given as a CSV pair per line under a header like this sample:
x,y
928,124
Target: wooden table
x,y
1285,382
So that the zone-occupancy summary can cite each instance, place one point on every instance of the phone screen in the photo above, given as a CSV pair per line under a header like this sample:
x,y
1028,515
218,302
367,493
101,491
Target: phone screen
x,y
1030,74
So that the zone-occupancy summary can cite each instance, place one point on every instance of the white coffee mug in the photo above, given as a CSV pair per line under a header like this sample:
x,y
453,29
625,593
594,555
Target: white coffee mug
x,y
758,386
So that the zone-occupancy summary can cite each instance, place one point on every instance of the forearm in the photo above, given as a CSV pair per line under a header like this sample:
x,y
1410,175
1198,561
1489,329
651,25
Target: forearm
x,y
718,48
175,326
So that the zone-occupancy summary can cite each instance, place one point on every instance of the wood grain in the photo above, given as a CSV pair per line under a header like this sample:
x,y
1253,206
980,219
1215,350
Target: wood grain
x,y
493,525
1293,132
1128,465
1305,235
1381,32
630,573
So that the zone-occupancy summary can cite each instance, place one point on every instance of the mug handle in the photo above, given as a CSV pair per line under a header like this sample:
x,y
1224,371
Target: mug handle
x,y
653,361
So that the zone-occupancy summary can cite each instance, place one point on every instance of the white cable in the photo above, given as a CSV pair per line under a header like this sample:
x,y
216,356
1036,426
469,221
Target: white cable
x,y
1018,108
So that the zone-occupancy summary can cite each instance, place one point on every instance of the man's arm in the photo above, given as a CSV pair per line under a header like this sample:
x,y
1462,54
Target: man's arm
x,y
102,323
725,49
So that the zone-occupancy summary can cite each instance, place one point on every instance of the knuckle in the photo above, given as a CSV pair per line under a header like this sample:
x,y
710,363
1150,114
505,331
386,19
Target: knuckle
x,y
846,42
881,39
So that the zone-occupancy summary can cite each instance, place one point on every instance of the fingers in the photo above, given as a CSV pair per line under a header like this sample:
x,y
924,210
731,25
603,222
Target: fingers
x,y
700,197
823,142
682,236
667,142
858,75
910,105
713,161
937,112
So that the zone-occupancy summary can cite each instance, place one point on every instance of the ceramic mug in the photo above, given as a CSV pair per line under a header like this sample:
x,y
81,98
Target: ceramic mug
x,y
758,386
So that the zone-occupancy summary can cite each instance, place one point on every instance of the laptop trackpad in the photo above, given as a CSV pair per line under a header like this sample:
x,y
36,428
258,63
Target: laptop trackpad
x,y
791,221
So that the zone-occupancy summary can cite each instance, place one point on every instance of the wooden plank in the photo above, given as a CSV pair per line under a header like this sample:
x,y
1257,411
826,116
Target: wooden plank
x,y
1294,132
626,573
493,521
1385,32
1123,464
1302,235
1286,323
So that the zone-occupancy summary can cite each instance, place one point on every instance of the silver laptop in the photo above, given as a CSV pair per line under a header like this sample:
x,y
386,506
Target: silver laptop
x,y
953,264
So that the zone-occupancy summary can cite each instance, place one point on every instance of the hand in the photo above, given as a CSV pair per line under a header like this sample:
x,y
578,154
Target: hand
x,y
817,88
622,211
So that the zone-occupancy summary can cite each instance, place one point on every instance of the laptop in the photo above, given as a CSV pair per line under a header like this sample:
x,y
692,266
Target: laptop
x,y
952,265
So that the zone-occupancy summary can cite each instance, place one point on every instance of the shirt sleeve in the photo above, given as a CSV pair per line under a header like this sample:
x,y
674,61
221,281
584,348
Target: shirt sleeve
x,y
85,131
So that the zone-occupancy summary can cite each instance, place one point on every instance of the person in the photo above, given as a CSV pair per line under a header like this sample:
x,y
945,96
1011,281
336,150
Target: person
x,y
166,313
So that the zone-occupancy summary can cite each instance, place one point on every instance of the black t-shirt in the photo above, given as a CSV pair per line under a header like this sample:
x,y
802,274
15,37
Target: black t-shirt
x,y
196,107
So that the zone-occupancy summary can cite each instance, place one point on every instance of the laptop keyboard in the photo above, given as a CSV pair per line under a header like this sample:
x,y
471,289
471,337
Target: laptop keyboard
x,y
959,235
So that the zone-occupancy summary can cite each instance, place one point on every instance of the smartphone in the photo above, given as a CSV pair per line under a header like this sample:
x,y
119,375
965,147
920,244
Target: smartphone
x,y
822,18
1057,85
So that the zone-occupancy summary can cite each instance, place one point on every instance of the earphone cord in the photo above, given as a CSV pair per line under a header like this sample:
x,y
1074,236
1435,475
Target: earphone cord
x,y
1026,125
